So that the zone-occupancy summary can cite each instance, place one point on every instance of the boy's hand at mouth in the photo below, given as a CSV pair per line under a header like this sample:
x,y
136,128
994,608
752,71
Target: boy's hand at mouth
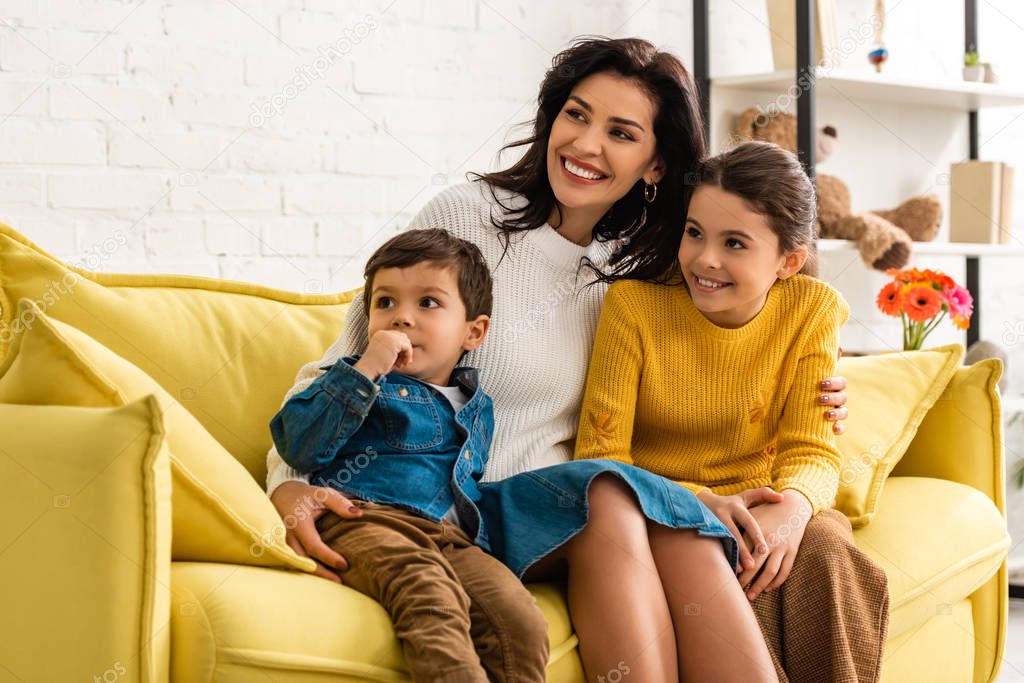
x,y
388,350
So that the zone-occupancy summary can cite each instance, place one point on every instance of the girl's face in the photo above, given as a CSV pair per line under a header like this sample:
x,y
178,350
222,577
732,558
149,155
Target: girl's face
x,y
730,257
602,142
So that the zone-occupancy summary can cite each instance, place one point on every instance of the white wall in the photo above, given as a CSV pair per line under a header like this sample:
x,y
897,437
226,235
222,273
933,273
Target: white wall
x,y
136,136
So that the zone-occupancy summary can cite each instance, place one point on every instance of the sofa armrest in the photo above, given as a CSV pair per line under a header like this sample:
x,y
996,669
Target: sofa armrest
x,y
961,437
86,540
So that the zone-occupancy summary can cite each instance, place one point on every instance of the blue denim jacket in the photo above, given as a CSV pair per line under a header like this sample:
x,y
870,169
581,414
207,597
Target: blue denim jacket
x,y
396,441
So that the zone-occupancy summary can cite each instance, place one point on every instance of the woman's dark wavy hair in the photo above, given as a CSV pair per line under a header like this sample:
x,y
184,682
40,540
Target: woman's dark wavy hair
x,y
649,247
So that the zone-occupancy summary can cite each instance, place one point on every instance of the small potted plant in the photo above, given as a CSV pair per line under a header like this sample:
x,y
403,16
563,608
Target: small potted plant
x,y
973,70
921,299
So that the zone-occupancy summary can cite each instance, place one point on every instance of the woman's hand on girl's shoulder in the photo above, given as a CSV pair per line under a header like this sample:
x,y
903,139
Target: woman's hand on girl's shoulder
x,y
783,525
833,398
734,512
300,505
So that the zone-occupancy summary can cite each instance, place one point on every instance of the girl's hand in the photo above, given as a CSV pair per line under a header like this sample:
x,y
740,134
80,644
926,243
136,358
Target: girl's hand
x,y
735,515
783,525
387,350
300,505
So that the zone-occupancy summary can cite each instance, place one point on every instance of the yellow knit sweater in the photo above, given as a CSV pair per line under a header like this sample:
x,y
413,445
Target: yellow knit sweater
x,y
710,407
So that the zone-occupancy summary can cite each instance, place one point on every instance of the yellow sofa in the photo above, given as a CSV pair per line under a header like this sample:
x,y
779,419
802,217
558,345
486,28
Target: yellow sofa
x,y
939,529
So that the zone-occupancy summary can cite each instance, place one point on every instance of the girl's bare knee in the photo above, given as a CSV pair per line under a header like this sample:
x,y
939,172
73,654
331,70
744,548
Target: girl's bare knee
x,y
614,514
613,504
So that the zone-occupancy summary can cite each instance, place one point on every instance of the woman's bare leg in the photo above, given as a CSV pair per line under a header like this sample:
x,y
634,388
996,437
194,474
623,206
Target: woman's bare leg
x,y
717,634
616,600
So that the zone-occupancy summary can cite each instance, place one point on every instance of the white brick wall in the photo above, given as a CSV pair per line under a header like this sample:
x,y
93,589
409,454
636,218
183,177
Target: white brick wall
x,y
275,141
279,141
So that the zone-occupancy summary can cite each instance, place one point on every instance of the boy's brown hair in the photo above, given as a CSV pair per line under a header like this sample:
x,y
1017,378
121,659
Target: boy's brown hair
x,y
439,248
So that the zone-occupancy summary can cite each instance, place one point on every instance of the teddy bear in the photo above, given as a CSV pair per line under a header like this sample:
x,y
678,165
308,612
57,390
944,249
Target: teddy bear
x,y
884,237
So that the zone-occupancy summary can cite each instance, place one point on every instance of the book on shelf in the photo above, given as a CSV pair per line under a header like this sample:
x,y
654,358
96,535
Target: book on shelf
x,y
782,24
981,202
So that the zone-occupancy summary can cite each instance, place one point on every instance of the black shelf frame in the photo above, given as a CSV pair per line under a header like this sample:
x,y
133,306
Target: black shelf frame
x,y
805,107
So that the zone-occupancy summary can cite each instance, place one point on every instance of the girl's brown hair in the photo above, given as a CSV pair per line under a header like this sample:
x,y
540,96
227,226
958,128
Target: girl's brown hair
x,y
773,183
653,234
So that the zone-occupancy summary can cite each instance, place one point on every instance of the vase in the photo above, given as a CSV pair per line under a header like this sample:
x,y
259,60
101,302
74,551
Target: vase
x,y
974,73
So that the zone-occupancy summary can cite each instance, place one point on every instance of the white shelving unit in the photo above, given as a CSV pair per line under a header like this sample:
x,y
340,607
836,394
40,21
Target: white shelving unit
x,y
1012,404
934,249
962,96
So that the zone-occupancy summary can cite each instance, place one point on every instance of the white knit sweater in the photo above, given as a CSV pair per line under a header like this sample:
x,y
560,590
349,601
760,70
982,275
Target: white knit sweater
x,y
533,362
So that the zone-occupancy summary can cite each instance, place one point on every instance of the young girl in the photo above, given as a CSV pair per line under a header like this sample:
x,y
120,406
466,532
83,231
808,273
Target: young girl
x,y
705,379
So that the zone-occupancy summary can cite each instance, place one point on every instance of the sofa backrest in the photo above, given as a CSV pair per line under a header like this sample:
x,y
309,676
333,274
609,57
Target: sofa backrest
x,y
228,351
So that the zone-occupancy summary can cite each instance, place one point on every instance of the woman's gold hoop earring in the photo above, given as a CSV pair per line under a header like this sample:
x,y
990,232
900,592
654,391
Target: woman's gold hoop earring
x,y
650,192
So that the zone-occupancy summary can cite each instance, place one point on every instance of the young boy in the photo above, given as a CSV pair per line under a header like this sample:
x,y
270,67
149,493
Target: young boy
x,y
405,434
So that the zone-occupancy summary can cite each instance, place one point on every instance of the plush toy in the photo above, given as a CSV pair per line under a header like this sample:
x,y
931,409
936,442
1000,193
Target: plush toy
x,y
884,237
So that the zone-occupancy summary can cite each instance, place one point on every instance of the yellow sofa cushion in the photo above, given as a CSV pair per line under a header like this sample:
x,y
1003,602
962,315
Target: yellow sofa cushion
x,y
220,513
888,397
940,650
86,542
229,351
937,540
305,628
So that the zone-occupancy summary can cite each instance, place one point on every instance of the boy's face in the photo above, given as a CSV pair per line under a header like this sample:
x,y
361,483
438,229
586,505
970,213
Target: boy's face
x,y
423,302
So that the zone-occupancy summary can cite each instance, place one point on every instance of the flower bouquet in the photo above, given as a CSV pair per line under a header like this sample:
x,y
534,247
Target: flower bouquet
x,y
921,299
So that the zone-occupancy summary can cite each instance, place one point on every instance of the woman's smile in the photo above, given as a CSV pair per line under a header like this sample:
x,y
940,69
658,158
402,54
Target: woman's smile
x,y
580,172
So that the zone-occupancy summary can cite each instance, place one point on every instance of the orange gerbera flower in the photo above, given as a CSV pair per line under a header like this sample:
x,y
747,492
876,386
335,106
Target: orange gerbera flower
x,y
941,279
913,284
890,299
922,304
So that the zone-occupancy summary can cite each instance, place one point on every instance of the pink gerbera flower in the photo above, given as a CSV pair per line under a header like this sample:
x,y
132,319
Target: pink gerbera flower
x,y
959,300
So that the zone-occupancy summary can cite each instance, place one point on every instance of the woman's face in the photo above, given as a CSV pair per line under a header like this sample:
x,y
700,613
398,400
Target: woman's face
x,y
602,142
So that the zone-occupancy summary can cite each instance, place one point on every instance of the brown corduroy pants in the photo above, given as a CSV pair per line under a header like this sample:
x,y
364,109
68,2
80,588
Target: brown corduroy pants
x,y
461,615
828,621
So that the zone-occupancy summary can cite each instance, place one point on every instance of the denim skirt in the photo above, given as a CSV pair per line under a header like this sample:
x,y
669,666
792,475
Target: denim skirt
x,y
531,514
